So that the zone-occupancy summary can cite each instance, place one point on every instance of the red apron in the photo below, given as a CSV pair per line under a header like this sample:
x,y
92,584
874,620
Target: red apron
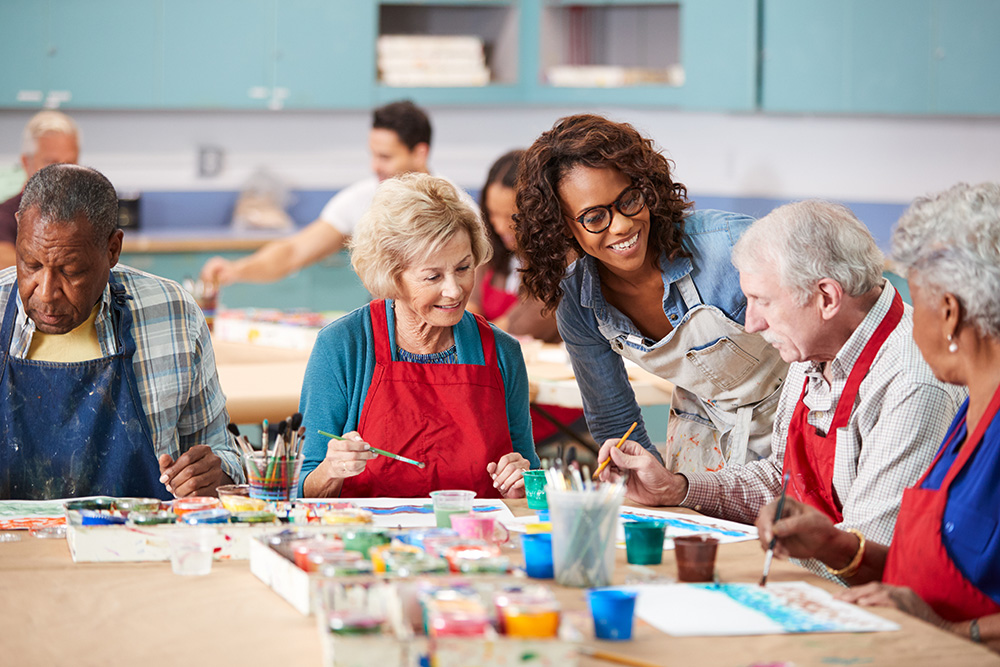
x,y
918,558
809,457
495,302
453,417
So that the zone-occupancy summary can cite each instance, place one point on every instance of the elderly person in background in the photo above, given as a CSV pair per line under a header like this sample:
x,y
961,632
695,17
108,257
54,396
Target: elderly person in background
x,y
944,562
50,137
413,372
107,377
860,411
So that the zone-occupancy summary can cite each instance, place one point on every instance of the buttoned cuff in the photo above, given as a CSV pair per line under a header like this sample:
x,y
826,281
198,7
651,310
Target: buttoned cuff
x,y
703,492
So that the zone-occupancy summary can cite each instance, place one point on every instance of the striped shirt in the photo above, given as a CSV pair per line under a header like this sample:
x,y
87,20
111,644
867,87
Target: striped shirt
x,y
900,415
174,363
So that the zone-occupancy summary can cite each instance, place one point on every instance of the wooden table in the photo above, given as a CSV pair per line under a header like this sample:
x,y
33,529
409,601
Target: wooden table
x,y
56,612
265,382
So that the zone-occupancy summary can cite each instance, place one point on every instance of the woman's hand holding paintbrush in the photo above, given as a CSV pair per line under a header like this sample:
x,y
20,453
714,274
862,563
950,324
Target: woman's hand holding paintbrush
x,y
801,532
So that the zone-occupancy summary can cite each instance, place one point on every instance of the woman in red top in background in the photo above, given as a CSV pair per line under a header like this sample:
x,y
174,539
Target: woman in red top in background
x,y
944,562
497,295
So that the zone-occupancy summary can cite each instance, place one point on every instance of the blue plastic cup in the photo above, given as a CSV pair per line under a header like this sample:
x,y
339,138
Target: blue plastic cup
x,y
537,548
613,610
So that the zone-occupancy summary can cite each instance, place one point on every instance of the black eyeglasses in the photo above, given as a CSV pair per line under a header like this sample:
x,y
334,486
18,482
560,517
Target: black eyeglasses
x,y
598,218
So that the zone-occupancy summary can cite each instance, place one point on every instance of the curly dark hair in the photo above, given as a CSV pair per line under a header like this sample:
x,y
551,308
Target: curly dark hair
x,y
543,238
503,172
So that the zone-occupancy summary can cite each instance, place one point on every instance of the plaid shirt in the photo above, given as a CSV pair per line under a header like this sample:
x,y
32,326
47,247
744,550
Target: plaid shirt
x,y
174,363
900,415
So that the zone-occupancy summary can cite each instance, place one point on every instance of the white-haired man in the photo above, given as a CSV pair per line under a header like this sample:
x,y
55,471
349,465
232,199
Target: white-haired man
x,y
50,137
860,414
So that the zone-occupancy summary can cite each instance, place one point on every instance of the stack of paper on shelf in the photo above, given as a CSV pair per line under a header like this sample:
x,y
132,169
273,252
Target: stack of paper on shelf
x,y
432,60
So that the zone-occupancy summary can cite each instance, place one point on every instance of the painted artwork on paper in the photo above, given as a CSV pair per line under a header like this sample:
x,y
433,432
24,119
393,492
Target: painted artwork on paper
x,y
695,610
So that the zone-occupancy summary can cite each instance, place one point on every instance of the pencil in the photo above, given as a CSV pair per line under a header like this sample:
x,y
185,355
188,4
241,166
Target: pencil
x,y
614,657
618,446
380,452
774,538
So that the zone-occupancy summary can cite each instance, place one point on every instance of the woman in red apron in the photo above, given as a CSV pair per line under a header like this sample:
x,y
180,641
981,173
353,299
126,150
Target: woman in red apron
x,y
413,373
497,293
944,561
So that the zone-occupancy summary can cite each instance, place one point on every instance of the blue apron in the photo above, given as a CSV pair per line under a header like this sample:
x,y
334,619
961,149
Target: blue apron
x,y
75,429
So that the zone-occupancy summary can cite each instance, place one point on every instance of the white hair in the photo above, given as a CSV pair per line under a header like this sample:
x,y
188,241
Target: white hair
x,y
412,216
45,122
810,240
949,242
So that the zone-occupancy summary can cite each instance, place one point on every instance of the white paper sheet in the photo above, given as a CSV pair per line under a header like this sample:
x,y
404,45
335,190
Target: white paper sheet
x,y
702,610
688,524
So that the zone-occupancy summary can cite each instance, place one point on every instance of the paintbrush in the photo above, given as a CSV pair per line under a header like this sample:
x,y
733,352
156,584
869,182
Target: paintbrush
x,y
614,657
774,538
621,442
380,452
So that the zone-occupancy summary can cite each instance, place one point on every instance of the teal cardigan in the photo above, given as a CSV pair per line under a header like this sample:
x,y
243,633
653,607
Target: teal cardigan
x,y
342,363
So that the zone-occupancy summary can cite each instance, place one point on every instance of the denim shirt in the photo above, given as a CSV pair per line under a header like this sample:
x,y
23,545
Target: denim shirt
x,y
608,400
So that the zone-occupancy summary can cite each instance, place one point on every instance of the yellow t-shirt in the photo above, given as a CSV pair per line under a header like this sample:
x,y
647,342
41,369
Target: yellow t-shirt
x,y
80,344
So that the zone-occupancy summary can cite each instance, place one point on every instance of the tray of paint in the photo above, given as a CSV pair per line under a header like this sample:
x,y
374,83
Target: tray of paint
x,y
444,621
290,561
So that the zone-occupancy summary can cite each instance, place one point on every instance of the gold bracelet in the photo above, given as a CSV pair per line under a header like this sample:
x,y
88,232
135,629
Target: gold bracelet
x,y
851,568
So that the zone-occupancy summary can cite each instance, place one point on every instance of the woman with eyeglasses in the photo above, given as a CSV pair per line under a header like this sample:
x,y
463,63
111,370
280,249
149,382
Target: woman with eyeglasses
x,y
653,284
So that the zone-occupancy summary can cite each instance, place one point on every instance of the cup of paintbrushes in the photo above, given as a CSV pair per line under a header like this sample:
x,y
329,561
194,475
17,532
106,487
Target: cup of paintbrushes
x,y
583,534
273,477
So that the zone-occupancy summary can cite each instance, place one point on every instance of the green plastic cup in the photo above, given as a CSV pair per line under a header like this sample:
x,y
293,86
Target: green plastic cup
x,y
644,542
534,489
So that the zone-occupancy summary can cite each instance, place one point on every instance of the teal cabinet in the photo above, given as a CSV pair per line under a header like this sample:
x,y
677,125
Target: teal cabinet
x,y
24,51
97,54
881,56
323,54
217,54
267,54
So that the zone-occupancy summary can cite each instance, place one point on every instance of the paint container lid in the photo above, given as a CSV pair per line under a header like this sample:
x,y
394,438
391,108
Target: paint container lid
x,y
126,505
182,506
99,503
217,515
151,518
100,518
259,516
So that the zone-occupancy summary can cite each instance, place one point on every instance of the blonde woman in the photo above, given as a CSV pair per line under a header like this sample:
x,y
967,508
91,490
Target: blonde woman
x,y
413,372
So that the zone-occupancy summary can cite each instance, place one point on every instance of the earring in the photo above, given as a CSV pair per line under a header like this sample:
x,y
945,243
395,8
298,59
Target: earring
x,y
952,345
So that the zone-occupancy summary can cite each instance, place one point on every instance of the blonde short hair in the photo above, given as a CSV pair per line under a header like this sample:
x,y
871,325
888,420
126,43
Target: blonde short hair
x,y
44,122
411,217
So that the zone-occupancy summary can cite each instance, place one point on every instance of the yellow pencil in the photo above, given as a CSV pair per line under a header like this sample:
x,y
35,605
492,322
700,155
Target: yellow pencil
x,y
615,657
618,446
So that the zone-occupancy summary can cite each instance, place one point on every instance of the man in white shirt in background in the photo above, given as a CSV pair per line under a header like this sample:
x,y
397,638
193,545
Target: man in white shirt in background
x,y
400,143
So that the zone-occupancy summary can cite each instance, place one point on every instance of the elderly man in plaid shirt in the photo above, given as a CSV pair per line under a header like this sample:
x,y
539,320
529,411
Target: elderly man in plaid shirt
x,y
107,375
860,415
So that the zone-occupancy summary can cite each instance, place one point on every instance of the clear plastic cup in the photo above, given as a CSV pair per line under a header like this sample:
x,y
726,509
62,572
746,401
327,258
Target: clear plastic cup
x,y
583,535
447,503
191,550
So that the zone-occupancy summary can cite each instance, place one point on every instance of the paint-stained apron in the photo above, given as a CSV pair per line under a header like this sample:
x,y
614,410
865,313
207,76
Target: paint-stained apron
x,y
918,558
810,456
75,429
726,385
453,417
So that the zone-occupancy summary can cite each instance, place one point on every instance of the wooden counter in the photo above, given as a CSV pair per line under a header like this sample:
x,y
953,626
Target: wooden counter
x,y
187,241
56,612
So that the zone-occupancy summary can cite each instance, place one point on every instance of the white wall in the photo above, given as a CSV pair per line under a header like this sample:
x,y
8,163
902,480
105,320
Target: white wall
x,y
871,159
